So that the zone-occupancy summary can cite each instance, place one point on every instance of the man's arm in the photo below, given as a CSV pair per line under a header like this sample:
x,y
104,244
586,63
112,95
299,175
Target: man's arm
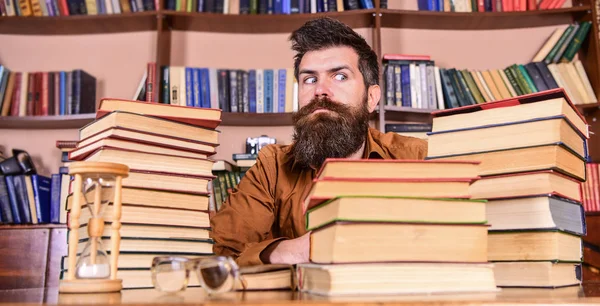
x,y
241,227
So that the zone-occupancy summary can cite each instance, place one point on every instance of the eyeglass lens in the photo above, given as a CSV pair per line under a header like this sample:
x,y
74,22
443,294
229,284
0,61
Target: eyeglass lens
x,y
170,276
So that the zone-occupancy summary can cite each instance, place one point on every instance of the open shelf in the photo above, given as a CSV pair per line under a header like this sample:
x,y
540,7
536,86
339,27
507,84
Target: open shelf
x,y
254,119
46,122
479,21
211,22
585,108
79,24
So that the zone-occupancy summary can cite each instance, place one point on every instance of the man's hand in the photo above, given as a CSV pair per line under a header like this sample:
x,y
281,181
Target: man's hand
x,y
290,252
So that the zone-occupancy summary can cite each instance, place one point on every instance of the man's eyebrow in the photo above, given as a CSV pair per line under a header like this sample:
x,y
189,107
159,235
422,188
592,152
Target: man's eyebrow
x,y
330,70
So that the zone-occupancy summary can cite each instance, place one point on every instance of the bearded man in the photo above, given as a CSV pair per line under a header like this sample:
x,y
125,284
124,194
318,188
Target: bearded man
x,y
338,87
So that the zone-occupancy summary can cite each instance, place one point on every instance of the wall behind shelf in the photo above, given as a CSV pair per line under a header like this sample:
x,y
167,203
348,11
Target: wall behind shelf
x,y
117,60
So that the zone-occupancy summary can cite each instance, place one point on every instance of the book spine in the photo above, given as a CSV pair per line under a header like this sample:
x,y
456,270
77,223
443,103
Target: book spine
x,y
281,91
246,92
196,83
575,44
252,91
5,201
233,87
189,97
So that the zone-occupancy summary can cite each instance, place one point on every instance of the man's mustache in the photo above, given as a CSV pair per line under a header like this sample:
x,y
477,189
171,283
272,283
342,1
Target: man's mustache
x,y
323,103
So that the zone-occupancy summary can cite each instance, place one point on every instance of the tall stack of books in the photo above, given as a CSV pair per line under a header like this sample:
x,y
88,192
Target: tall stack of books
x,y
165,197
532,150
393,227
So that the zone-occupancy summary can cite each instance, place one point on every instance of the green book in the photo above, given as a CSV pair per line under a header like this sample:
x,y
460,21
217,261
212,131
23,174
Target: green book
x,y
520,79
527,78
473,86
560,42
575,44
513,81
388,209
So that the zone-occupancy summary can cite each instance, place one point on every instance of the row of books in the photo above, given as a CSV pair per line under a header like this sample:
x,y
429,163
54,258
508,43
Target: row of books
x,y
269,7
26,199
251,91
564,43
40,8
46,93
488,5
418,83
228,176
165,198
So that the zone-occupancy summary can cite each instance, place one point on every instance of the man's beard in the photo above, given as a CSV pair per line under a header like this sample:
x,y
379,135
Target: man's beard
x,y
334,134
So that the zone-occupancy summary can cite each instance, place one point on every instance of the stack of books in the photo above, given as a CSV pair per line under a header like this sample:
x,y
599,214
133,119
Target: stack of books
x,y
394,227
165,197
532,150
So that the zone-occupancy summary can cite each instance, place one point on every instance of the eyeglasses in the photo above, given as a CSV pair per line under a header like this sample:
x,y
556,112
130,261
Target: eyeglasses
x,y
215,274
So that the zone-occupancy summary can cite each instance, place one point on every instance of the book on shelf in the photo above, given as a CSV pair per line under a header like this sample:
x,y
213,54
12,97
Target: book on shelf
x,y
468,6
533,188
253,7
54,8
230,90
46,93
415,80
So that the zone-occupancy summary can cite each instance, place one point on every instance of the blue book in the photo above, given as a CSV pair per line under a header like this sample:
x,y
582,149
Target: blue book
x,y
5,210
188,87
405,85
287,7
12,198
278,7
321,6
41,194
281,91
165,85
252,90
22,198
196,87
63,93
55,183
205,87
268,90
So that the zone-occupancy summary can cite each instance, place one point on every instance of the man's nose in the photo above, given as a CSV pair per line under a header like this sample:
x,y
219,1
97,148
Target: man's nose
x,y
323,88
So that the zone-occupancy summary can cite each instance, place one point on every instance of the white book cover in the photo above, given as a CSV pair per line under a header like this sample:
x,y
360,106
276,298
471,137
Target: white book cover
x,y
213,81
414,99
438,88
585,81
295,95
260,93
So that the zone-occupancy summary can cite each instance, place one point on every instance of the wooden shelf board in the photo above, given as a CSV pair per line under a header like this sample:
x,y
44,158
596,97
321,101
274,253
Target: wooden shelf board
x,y
79,24
479,21
253,119
31,226
407,114
210,22
46,122
587,107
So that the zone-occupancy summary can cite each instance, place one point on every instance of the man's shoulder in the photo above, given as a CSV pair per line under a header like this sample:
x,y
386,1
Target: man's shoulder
x,y
399,146
274,151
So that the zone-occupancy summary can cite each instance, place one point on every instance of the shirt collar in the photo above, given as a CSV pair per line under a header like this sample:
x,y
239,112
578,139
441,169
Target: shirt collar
x,y
372,149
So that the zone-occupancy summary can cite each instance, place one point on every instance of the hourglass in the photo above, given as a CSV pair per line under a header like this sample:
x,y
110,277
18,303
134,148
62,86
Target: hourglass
x,y
90,268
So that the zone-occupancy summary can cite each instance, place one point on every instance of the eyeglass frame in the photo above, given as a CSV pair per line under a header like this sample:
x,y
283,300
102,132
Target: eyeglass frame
x,y
195,265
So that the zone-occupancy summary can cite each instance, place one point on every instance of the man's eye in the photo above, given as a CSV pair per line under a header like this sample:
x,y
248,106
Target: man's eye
x,y
340,77
310,80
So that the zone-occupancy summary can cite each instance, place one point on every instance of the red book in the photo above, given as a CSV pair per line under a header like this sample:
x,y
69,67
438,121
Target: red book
x,y
16,97
44,98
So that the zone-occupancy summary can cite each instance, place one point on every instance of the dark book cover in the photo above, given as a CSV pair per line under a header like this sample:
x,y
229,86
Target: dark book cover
x,y
55,186
12,198
42,193
223,85
536,77
84,93
546,75
5,204
20,188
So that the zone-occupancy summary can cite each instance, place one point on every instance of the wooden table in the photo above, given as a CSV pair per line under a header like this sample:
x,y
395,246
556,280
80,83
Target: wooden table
x,y
588,293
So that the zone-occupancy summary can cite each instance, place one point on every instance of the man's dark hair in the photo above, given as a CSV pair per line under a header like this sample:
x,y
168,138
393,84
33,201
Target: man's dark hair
x,y
326,32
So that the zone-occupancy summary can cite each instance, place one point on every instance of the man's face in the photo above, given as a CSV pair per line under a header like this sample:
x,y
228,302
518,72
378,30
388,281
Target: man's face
x,y
334,107
332,72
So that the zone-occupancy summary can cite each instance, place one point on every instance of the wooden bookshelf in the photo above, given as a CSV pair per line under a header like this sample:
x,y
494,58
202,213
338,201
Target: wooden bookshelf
x,y
479,21
211,22
46,122
30,226
407,114
80,24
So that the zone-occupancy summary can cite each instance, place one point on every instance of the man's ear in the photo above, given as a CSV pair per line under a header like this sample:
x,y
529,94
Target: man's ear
x,y
373,96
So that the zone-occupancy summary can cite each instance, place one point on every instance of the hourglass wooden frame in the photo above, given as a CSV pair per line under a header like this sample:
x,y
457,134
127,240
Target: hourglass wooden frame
x,y
72,284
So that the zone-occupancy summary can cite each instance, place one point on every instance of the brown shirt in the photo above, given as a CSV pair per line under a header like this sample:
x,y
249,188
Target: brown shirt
x,y
267,205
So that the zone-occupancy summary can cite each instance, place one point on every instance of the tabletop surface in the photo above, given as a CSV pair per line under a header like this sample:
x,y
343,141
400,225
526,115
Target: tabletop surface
x,y
587,293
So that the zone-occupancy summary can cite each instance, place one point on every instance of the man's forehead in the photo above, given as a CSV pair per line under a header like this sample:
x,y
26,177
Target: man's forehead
x,y
326,59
